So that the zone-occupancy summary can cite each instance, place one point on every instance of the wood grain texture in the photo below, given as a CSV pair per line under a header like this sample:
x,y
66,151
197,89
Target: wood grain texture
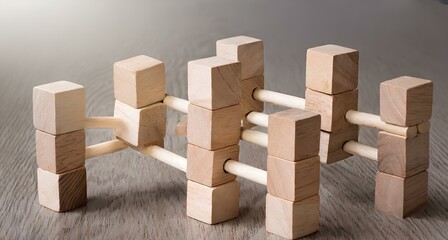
x,y
330,150
248,103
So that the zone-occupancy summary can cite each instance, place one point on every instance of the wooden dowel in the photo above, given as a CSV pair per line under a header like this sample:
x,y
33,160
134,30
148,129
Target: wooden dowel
x,y
279,98
371,120
358,149
105,148
103,122
176,103
245,171
258,118
423,127
165,156
255,137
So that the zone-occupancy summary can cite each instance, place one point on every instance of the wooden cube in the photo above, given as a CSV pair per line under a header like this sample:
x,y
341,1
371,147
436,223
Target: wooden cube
x,y
59,107
332,69
213,204
214,82
332,108
331,144
213,129
406,101
398,196
139,81
248,103
401,156
292,219
62,192
142,127
60,153
207,167
293,181
181,126
247,50
293,134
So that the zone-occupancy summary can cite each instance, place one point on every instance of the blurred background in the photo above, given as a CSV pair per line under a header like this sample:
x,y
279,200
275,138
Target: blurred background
x,y
131,196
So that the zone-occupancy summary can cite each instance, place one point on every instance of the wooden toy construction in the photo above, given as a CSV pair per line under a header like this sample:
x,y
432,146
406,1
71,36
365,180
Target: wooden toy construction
x,y
226,99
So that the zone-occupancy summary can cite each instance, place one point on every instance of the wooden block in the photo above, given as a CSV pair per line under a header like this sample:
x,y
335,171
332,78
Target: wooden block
x,y
139,81
331,144
248,103
401,156
59,107
406,101
181,126
332,108
213,204
214,82
293,134
207,167
332,69
142,127
60,153
398,196
247,50
213,129
292,219
62,192
293,181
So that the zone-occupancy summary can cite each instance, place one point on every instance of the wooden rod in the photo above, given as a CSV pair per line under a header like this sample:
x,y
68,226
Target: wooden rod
x,y
165,156
105,148
255,137
176,103
279,98
103,122
371,120
358,149
245,171
258,118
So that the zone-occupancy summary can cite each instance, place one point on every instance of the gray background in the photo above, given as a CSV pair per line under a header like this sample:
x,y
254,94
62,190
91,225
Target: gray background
x,y
131,196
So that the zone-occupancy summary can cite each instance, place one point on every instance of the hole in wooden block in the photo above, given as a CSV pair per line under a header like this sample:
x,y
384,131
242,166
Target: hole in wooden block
x,y
59,107
60,153
139,81
207,167
248,103
293,181
398,196
143,126
331,144
62,192
213,204
247,50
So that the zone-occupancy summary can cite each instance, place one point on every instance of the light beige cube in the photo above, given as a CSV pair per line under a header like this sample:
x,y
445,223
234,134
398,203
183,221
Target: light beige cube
x,y
248,103
331,144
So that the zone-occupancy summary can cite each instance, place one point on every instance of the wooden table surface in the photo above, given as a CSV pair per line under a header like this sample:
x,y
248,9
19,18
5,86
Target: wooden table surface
x,y
131,196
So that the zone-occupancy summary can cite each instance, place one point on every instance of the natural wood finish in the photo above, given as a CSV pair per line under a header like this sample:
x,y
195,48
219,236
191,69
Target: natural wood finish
x,y
259,119
213,204
105,148
60,153
165,156
62,192
331,144
424,127
293,181
214,82
103,122
139,81
279,99
245,171
332,69
359,149
398,196
207,167
406,101
213,129
176,103
292,219
181,126
59,107
255,137
248,103
141,127
294,134
332,108
247,50
402,156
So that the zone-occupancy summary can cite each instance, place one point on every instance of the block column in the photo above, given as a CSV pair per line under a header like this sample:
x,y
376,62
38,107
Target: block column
x,y
293,167
59,116
249,52
402,179
213,133
332,81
